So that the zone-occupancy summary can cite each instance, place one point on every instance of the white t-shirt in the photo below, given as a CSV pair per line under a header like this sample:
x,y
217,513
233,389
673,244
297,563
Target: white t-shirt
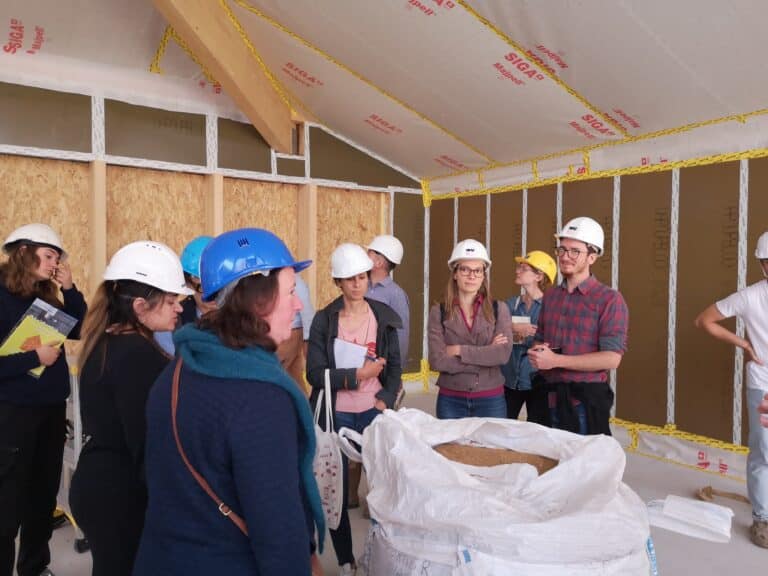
x,y
751,305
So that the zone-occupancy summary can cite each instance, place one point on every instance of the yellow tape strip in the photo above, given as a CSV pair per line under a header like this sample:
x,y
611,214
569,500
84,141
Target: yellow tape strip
x,y
426,194
524,54
160,52
702,161
282,28
741,118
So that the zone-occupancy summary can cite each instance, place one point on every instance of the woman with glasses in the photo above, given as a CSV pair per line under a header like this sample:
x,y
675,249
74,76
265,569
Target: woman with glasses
x,y
119,362
470,339
534,273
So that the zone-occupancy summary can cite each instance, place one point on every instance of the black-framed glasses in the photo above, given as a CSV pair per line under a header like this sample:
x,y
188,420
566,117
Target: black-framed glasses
x,y
573,253
468,272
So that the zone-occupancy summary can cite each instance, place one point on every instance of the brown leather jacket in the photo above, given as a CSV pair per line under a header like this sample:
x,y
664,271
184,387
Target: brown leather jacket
x,y
479,365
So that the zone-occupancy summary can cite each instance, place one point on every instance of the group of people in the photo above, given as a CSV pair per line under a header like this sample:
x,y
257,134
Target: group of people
x,y
199,437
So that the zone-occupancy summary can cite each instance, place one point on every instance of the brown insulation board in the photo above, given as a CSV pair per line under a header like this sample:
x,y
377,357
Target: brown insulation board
x,y
343,216
472,218
506,242
270,205
54,192
707,271
440,247
641,380
593,198
155,205
409,229
542,219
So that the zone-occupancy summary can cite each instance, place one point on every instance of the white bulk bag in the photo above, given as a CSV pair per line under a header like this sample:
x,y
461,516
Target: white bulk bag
x,y
578,518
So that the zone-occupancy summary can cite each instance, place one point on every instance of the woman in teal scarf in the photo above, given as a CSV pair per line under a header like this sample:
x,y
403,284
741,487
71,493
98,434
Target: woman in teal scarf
x,y
243,424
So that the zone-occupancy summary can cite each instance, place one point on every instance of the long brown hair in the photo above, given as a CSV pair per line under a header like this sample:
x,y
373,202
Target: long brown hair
x,y
112,306
452,290
19,278
239,321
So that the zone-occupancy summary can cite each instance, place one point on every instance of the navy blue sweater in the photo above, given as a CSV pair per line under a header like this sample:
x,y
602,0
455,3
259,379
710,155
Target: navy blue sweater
x,y
18,387
242,437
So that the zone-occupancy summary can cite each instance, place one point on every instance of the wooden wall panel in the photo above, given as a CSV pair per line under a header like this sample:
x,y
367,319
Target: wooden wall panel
x,y
707,271
472,218
440,247
409,229
343,216
641,380
54,192
593,198
506,242
142,204
269,205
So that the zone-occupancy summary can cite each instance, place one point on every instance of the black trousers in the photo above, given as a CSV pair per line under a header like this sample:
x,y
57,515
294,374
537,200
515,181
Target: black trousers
x,y
515,400
31,452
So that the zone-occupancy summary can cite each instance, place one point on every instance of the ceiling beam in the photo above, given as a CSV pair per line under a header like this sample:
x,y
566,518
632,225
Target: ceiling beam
x,y
208,32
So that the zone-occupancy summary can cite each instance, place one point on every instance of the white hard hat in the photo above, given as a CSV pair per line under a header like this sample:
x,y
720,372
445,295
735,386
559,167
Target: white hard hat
x,y
469,250
584,229
151,263
389,247
761,252
35,234
349,260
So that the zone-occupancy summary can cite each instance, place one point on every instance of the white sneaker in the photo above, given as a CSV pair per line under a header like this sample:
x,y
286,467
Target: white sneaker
x,y
348,570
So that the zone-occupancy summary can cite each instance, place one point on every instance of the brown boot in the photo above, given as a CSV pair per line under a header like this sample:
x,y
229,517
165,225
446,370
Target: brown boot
x,y
355,468
759,533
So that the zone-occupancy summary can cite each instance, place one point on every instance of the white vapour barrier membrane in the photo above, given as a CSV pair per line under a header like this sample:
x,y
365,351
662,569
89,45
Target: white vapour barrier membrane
x,y
487,88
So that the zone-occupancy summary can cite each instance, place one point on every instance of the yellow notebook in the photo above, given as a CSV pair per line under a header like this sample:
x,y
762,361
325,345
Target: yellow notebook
x,y
42,324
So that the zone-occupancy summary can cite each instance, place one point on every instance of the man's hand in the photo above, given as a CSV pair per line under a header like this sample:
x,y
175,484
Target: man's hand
x,y
542,357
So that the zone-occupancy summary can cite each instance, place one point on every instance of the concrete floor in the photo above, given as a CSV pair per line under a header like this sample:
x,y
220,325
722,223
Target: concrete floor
x,y
651,479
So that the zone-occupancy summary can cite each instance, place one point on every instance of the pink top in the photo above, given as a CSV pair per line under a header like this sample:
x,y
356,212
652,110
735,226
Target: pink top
x,y
364,397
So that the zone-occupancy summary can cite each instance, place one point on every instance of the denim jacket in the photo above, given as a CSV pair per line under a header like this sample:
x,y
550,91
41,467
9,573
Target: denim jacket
x,y
518,371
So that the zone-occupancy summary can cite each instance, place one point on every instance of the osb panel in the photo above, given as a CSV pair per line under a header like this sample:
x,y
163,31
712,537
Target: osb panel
x,y
472,211
270,205
142,204
343,216
54,192
644,235
542,219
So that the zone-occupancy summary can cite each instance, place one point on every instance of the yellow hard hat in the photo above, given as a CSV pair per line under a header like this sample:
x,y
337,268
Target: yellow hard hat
x,y
540,261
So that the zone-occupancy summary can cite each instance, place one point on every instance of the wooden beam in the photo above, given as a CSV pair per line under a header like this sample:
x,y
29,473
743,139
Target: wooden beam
x,y
307,220
97,182
208,32
214,204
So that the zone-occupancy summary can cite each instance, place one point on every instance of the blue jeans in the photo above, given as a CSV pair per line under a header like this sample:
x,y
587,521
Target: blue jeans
x,y
357,421
581,412
757,461
449,407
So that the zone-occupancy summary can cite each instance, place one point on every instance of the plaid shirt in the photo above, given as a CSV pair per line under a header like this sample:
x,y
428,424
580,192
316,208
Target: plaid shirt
x,y
593,318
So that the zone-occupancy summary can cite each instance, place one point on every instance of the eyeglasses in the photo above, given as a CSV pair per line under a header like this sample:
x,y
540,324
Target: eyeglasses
x,y
523,267
573,253
469,272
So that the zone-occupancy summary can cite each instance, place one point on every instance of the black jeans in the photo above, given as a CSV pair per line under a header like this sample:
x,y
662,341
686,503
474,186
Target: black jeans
x,y
31,452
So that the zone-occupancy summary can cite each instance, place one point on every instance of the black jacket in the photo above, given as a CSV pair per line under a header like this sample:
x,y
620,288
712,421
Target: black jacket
x,y
325,328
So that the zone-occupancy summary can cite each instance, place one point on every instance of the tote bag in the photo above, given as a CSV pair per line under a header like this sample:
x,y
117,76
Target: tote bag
x,y
327,465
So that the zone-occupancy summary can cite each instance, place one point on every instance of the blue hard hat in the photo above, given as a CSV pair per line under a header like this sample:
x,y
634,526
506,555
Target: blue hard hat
x,y
190,256
239,253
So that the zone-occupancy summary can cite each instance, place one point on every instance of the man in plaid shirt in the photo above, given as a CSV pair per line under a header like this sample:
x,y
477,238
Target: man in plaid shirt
x,y
581,335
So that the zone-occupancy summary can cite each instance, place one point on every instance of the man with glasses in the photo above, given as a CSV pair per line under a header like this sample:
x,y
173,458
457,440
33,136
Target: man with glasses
x,y
751,305
581,336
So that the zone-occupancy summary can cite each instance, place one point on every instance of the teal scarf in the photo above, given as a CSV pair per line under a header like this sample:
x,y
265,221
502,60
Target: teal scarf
x,y
204,353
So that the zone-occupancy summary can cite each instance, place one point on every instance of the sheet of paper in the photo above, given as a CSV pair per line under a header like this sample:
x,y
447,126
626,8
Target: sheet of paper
x,y
348,354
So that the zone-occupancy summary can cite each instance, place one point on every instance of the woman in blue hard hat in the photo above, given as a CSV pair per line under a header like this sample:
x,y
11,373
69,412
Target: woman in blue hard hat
x,y
230,438
358,394
193,306
120,361
470,338
32,410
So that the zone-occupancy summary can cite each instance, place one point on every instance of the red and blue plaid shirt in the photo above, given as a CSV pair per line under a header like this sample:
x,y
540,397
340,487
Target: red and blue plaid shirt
x,y
593,318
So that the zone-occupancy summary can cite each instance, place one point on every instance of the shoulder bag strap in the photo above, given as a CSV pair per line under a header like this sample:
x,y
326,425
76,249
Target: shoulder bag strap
x,y
223,508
